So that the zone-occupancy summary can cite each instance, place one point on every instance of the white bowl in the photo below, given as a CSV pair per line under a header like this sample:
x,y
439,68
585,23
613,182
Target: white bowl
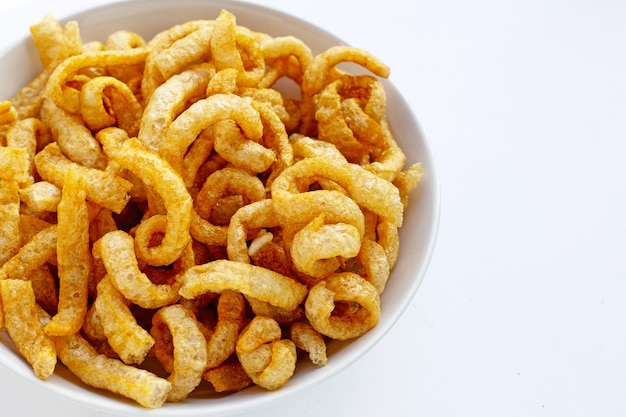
x,y
418,234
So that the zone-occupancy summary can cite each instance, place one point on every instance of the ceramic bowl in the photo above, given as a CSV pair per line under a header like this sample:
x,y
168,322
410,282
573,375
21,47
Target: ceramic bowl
x,y
418,234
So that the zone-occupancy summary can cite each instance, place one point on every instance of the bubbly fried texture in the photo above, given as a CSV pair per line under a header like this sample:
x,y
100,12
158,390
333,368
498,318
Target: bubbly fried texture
x,y
267,359
188,348
125,336
27,332
168,207
305,337
73,257
100,371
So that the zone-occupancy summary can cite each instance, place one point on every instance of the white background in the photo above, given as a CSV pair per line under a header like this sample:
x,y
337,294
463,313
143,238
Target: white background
x,y
523,309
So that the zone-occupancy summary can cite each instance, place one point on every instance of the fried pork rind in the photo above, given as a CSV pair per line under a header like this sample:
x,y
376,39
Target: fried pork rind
x,y
127,338
310,340
234,46
116,250
389,239
22,323
251,280
322,70
73,257
74,139
102,187
286,56
9,220
41,196
373,258
157,175
106,101
172,198
222,183
15,165
48,36
100,371
131,75
231,310
8,114
32,135
256,215
2,323
282,316
362,186
317,248
35,253
189,349
54,44
204,113
45,288
182,52
343,306
407,181
228,377
67,97
159,47
267,359
341,121
169,100
232,145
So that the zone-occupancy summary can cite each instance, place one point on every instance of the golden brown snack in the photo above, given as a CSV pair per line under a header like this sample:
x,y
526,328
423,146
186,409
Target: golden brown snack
x,y
32,255
9,219
100,371
261,283
360,306
127,338
231,311
310,340
116,250
189,352
267,359
228,377
73,257
22,322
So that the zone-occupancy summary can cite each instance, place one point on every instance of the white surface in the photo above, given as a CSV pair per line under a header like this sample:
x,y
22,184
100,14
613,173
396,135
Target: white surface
x,y
523,308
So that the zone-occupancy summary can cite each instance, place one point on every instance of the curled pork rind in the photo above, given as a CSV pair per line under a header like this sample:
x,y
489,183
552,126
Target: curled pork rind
x,y
167,199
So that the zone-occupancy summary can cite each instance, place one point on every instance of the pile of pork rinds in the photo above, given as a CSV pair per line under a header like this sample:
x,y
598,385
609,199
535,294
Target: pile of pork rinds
x,y
161,199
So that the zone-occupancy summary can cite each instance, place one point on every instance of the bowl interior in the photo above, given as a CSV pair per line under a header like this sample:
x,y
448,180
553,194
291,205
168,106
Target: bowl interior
x,y
20,64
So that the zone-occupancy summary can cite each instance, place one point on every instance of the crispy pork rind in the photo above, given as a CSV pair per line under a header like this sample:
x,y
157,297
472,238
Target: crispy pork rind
x,y
125,336
254,281
267,359
177,325
21,319
343,306
231,317
230,377
116,251
9,219
310,340
73,257
100,371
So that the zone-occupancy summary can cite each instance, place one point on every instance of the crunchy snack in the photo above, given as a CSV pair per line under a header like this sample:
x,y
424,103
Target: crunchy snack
x,y
73,257
268,359
177,325
162,198
21,319
125,336
101,371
